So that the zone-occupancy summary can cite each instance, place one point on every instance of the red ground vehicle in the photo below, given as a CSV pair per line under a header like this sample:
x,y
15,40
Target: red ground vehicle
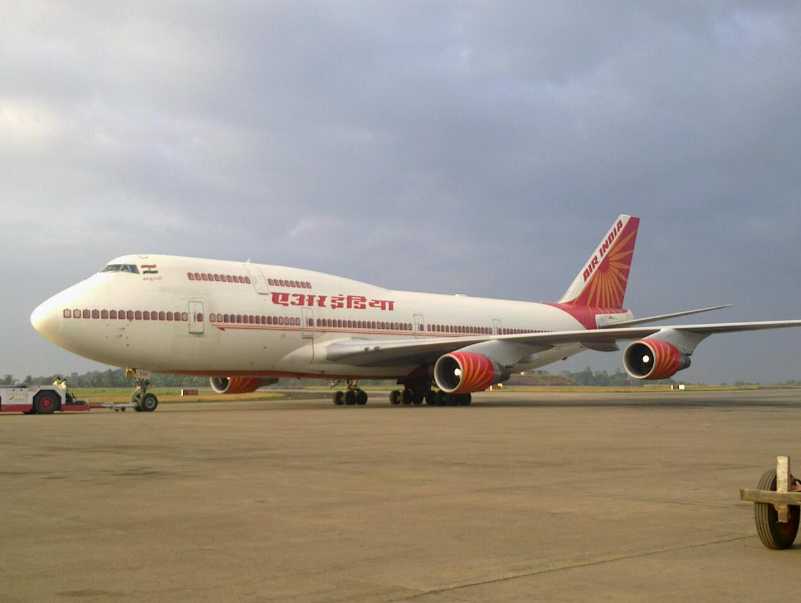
x,y
39,399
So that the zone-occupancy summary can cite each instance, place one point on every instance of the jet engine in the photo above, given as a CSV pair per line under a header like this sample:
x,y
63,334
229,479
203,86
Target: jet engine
x,y
654,359
466,372
239,385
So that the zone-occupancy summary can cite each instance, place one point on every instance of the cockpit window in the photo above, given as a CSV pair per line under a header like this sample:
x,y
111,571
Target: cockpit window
x,y
121,268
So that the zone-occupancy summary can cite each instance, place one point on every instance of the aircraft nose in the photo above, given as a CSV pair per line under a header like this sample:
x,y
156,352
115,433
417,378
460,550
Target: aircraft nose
x,y
46,319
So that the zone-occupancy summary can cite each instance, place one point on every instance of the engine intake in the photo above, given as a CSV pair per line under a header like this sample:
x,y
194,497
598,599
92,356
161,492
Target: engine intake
x,y
654,359
465,372
239,385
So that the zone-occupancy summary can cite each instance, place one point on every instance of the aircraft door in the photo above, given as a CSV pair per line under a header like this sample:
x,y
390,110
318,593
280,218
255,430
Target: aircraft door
x,y
419,324
197,320
307,327
257,279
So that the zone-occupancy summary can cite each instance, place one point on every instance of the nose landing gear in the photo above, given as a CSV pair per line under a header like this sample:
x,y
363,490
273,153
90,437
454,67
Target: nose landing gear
x,y
142,400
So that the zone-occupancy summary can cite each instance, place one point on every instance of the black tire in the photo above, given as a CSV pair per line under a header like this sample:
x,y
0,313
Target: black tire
x,y
395,397
432,398
774,535
339,398
136,400
149,403
46,403
361,397
465,399
417,397
408,395
350,397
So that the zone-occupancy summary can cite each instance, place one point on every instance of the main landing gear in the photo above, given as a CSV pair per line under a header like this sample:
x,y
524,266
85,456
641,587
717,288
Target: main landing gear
x,y
416,394
142,400
352,396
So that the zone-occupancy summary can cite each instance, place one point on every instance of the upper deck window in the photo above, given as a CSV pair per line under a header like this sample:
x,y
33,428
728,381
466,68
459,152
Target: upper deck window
x,y
121,268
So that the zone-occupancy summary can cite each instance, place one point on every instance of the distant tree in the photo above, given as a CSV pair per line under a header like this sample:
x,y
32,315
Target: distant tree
x,y
7,380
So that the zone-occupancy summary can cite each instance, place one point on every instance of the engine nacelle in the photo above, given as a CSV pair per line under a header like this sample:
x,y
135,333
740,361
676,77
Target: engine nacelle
x,y
239,385
654,359
466,372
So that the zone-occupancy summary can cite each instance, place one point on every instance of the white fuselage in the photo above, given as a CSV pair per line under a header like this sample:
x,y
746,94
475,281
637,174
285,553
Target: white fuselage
x,y
213,317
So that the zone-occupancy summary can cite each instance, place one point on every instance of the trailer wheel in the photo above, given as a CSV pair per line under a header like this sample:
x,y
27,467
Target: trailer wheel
x,y
149,403
772,533
45,403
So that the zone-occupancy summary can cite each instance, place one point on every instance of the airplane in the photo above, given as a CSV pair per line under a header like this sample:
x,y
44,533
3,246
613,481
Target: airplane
x,y
245,325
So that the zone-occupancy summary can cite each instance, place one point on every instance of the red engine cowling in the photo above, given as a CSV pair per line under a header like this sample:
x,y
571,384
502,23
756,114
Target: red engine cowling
x,y
654,359
465,372
239,385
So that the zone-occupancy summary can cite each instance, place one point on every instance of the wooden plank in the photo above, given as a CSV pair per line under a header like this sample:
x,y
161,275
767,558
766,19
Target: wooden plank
x,y
768,496
782,485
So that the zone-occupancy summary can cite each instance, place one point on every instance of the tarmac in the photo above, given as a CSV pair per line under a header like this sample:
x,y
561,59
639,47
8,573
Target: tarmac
x,y
521,497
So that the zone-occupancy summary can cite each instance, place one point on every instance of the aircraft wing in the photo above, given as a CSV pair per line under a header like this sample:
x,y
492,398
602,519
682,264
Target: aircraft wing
x,y
378,352
658,317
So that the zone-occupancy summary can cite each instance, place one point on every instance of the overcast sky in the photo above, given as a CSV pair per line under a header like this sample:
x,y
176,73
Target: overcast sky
x,y
475,147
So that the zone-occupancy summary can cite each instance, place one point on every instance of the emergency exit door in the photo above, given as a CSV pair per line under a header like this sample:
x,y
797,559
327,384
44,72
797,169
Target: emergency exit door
x,y
197,320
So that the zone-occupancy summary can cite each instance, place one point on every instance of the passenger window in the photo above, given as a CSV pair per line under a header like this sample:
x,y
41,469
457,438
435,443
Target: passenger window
x,y
129,315
104,314
67,313
112,315
190,276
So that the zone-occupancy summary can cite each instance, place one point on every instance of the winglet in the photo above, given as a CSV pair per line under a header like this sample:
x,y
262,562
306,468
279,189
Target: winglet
x,y
602,281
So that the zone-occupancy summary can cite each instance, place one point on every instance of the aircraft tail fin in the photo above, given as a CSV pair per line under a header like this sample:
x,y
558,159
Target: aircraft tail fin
x,y
602,281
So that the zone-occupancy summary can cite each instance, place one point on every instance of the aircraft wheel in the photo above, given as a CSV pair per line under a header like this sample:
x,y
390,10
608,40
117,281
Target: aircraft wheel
x,y
395,397
45,403
136,400
339,398
149,403
465,399
431,398
408,395
350,397
361,397
774,535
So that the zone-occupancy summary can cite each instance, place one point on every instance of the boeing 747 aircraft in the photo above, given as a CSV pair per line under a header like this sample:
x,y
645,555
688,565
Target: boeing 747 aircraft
x,y
245,325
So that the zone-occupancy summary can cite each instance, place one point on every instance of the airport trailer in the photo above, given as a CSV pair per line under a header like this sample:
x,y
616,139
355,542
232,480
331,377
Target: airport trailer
x,y
39,400
777,505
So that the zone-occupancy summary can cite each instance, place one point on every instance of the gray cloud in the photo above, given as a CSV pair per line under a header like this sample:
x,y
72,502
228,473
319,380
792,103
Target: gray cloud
x,y
454,146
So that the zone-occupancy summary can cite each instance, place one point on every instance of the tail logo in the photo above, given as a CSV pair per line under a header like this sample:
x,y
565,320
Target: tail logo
x,y
609,279
602,251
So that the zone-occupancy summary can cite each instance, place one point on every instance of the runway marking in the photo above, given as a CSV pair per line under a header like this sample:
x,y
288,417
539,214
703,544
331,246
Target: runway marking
x,y
571,566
